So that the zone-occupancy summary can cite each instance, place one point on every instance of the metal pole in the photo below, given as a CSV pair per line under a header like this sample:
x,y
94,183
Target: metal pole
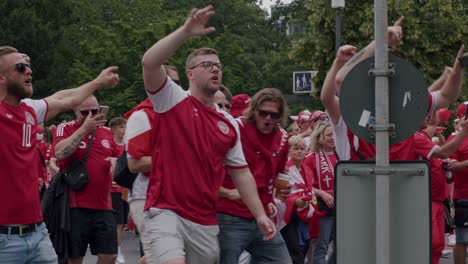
x,y
337,29
382,137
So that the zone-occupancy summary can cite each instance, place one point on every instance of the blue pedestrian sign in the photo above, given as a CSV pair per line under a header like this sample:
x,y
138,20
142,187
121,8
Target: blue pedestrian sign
x,y
302,81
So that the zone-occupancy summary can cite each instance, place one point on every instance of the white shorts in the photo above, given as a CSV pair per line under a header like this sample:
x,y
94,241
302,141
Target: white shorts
x,y
170,236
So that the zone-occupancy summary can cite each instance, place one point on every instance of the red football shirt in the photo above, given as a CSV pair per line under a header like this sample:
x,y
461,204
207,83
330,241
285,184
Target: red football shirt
x,y
96,194
19,162
266,156
192,142
460,179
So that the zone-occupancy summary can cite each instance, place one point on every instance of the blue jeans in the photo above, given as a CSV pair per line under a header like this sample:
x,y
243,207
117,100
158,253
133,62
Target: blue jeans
x,y
237,234
320,245
29,249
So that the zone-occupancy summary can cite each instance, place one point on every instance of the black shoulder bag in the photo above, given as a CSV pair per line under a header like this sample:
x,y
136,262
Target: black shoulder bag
x,y
122,175
75,174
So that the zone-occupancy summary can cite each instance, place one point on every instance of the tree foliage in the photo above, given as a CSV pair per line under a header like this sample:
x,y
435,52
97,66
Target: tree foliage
x,y
433,33
71,41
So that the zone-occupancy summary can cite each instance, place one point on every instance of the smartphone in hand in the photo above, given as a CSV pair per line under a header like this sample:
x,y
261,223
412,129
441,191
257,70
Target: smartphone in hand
x,y
464,60
104,110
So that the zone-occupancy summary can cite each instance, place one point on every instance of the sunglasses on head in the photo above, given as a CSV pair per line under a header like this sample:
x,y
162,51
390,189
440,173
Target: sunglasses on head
x,y
273,115
20,67
226,107
86,112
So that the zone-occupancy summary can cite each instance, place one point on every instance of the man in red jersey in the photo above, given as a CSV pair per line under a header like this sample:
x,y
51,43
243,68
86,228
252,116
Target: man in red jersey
x,y
25,236
196,139
91,217
460,191
265,145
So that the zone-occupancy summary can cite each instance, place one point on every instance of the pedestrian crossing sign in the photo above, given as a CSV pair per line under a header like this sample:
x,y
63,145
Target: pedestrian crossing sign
x,y
302,81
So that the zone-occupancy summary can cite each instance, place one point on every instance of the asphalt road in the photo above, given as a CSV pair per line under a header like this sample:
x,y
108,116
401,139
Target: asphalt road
x,y
131,251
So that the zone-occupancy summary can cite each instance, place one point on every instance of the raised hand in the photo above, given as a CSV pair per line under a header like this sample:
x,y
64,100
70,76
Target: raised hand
x,y
456,65
196,23
92,122
345,53
395,32
108,77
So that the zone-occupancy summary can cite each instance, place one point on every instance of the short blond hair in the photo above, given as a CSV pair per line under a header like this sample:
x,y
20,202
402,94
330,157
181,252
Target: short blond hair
x,y
203,51
5,50
296,140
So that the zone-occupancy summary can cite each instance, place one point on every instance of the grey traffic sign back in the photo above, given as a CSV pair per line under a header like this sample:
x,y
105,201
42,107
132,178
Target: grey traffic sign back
x,y
410,218
408,99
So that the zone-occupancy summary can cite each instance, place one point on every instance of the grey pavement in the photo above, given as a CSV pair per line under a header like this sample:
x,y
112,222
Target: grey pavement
x,y
130,249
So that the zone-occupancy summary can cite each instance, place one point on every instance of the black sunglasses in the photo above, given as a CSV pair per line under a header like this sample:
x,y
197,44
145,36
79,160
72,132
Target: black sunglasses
x,y
177,82
86,112
227,107
273,115
20,67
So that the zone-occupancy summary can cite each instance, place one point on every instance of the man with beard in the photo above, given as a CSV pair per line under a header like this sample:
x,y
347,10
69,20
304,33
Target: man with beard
x,y
193,141
24,235
265,145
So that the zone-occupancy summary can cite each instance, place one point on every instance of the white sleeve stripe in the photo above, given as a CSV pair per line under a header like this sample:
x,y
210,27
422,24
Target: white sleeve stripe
x,y
167,97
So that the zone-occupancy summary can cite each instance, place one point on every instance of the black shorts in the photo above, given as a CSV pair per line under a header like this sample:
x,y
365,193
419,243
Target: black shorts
x,y
94,227
121,208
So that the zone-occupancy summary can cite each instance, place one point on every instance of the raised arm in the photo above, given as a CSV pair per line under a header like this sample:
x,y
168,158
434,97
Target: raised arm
x,y
67,99
439,83
154,73
452,86
395,35
329,93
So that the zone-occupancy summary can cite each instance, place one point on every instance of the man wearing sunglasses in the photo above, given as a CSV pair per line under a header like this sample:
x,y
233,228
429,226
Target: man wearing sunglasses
x,y
195,141
265,145
92,220
21,220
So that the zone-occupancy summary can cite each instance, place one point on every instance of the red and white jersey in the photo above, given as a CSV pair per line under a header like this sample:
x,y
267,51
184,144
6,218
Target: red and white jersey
x,y
438,184
460,179
19,162
192,144
301,181
347,144
266,155
47,153
139,143
96,194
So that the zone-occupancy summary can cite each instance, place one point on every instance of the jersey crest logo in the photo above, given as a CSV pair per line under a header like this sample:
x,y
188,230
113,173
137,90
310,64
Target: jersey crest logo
x,y
223,127
29,118
9,116
105,143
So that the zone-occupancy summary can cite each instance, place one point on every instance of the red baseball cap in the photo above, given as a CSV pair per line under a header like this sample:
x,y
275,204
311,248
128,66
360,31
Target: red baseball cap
x,y
240,103
461,110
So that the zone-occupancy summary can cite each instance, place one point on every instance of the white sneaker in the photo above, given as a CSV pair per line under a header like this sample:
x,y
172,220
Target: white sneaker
x,y
120,259
446,252
451,240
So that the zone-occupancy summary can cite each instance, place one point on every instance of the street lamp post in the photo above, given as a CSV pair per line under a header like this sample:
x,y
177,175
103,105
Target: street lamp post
x,y
338,5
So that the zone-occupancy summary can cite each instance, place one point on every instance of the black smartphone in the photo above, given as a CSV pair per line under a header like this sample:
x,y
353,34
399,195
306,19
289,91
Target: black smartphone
x,y
464,60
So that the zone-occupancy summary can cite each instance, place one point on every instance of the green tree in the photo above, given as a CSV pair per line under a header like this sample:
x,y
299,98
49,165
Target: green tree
x,y
433,33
